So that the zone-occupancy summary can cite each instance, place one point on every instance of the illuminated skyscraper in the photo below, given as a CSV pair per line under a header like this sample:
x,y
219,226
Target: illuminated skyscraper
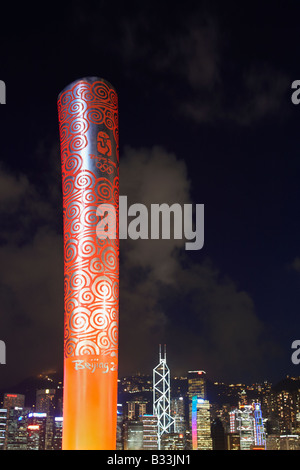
x,y
120,421
246,427
197,383
16,430
173,441
135,408
36,431
232,422
201,427
133,435
177,412
150,434
45,401
161,397
196,387
3,420
57,433
248,422
259,430
285,401
11,400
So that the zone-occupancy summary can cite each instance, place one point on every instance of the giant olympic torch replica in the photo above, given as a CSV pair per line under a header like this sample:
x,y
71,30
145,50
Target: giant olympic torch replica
x,y
88,125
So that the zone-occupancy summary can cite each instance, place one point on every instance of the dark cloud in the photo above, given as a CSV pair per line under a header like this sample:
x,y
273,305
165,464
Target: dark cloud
x,y
198,64
206,320
226,333
31,278
295,264
32,305
12,189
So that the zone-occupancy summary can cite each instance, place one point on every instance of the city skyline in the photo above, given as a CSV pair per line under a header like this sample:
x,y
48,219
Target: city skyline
x,y
53,378
250,418
206,117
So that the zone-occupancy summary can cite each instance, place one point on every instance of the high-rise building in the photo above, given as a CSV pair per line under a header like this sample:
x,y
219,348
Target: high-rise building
x,y
178,414
233,423
36,431
45,401
57,433
196,387
248,422
3,422
218,434
246,427
161,397
135,408
133,435
201,425
173,441
11,400
233,441
16,431
150,434
285,401
120,420
289,442
131,410
34,437
259,429
197,384
49,435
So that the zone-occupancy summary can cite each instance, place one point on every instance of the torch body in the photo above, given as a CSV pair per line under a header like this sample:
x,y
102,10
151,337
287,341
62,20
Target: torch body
x,y
88,126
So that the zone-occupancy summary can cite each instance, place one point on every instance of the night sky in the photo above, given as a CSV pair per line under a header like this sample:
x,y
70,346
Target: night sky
x,y
206,117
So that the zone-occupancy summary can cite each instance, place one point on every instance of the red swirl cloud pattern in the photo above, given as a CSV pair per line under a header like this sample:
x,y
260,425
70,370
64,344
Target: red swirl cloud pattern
x,y
88,123
91,264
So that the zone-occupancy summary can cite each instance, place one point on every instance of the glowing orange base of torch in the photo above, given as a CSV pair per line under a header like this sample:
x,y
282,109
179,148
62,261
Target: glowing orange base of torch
x,y
90,395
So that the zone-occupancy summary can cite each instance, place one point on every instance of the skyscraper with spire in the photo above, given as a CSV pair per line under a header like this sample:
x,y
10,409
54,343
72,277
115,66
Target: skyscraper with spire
x,y
161,396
